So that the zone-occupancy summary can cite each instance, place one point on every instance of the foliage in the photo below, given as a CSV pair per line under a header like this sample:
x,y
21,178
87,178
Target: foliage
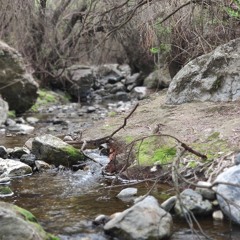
x,y
234,10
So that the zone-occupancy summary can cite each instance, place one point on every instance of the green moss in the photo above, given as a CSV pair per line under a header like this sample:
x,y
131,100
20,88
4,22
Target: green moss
x,y
213,136
129,139
72,152
12,114
47,97
5,190
152,150
112,114
26,214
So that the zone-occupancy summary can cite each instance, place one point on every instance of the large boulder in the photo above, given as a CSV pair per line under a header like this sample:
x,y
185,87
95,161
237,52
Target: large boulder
x,y
18,223
3,111
144,220
210,77
53,150
228,194
17,85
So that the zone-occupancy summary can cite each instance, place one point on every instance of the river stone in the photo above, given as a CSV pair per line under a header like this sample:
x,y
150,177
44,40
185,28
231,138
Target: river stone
x,y
192,201
204,188
169,203
53,150
28,159
3,152
14,168
144,220
228,196
127,192
41,165
17,85
3,111
218,215
17,152
17,223
210,77
5,191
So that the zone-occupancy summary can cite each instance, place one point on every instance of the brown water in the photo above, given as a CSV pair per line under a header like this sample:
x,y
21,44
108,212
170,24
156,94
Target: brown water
x,y
65,203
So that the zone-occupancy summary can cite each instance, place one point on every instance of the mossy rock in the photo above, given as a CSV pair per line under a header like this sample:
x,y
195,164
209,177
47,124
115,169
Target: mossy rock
x,y
55,151
18,223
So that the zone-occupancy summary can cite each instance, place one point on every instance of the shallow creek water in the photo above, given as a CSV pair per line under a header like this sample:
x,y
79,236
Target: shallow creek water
x,y
67,202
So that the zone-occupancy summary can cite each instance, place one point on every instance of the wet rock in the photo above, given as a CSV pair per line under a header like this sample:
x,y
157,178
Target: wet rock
x,y
55,151
10,122
155,223
67,138
228,196
5,191
169,204
3,111
20,120
13,168
101,220
3,152
192,201
28,159
18,223
23,93
210,77
21,128
17,152
4,180
205,190
41,165
127,193
118,87
218,215
28,143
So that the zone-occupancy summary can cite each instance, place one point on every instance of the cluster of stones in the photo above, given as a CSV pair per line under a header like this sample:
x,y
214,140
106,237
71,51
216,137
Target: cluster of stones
x,y
220,199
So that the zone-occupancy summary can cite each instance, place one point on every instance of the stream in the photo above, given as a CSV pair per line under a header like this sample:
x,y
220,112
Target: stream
x,y
67,202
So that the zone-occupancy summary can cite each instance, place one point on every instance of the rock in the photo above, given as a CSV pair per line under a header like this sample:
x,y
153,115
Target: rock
x,y
169,204
41,165
218,215
21,128
10,122
20,120
127,193
76,81
4,180
121,96
206,190
91,109
101,220
3,152
18,152
139,93
18,223
228,196
5,191
28,143
55,151
13,168
17,85
32,120
3,110
28,159
67,138
158,79
192,201
210,77
118,87
155,223
132,79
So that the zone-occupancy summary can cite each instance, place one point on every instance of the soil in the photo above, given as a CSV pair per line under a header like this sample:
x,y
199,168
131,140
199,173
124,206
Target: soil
x,y
190,122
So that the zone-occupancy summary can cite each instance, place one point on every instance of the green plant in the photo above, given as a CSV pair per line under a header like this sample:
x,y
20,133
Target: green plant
x,y
234,10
